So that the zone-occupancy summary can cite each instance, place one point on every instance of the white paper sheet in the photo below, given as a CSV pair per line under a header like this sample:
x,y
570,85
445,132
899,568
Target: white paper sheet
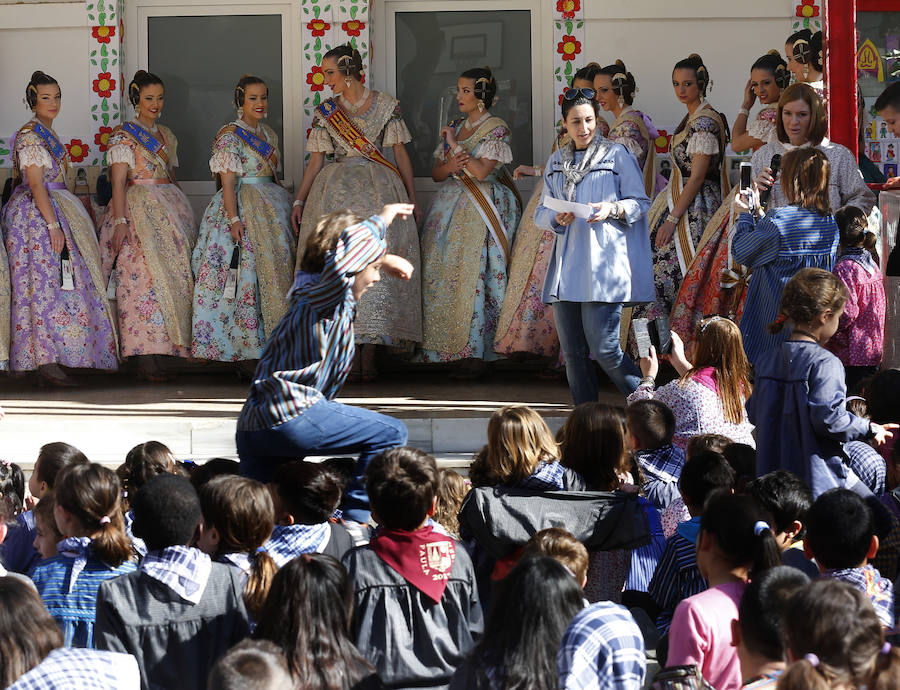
x,y
560,206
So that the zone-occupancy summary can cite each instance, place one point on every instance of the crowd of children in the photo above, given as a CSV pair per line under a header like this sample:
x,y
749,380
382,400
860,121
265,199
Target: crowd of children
x,y
664,525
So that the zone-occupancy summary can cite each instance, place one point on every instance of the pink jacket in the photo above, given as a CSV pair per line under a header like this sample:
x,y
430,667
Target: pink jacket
x,y
859,341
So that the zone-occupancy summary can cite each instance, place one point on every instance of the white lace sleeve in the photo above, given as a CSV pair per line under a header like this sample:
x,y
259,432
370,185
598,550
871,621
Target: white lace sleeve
x,y
319,140
495,150
396,132
225,161
439,150
34,155
634,148
762,130
120,153
704,143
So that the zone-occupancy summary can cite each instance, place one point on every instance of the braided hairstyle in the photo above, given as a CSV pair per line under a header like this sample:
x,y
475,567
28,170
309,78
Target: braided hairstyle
x,y
348,59
695,62
623,83
806,47
141,79
38,78
485,84
240,90
776,65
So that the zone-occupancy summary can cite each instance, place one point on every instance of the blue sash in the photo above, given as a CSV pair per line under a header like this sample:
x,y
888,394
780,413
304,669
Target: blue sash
x,y
151,143
49,138
259,146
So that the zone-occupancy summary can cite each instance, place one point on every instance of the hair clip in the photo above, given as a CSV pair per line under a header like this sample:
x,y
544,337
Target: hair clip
x,y
6,463
812,659
709,320
105,520
760,526
781,318
886,648
261,549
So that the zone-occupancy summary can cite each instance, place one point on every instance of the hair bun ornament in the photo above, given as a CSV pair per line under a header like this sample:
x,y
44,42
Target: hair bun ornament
x,y
772,51
105,520
812,659
760,526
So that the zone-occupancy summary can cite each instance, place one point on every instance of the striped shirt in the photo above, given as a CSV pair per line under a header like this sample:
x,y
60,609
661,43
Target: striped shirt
x,y
86,669
309,354
776,247
677,577
602,648
74,610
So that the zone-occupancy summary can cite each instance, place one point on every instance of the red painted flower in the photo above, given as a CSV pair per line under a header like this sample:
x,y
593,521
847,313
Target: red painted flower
x,y
319,27
568,8
103,33
78,150
316,79
308,130
101,138
662,141
104,84
807,9
568,47
353,27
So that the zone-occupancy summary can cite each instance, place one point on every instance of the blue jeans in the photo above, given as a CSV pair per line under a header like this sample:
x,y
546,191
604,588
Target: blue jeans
x,y
592,328
326,428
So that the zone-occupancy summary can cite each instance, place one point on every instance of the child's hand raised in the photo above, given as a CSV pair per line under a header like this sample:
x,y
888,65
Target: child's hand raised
x,y
882,432
397,266
391,211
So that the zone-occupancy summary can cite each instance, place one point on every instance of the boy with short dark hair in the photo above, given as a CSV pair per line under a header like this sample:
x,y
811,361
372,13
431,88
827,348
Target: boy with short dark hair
x,y
178,612
649,427
840,535
417,612
677,576
787,499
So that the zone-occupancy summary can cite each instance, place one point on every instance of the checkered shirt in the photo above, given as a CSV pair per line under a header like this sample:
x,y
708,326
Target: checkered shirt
x,y
289,541
664,463
548,476
867,464
868,580
85,669
602,648
183,569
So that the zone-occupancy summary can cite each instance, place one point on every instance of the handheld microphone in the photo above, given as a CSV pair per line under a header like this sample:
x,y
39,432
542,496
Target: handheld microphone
x,y
775,164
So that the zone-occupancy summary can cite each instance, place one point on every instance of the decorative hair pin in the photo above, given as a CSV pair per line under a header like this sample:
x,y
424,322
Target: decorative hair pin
x,y
759,527
709,320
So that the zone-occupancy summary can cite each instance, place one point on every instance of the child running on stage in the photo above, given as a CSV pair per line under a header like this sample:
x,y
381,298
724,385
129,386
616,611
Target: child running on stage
x,y
798,401
290,412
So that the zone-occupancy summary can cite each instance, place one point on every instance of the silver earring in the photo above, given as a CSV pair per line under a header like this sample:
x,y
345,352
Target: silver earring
x,y
347,82
480,106
240,112
621,101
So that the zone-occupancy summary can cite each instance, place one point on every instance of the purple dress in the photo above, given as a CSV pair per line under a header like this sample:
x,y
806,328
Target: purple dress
x,y
48,324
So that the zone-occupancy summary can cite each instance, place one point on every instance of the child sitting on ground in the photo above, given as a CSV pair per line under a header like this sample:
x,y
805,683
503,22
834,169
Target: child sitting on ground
x,y
560,545
96,549
840,535
143,462
677,511
757,631
677,576
305,494
46,533
252,665
798,398
735,544
833,639
238,518
521,452
649,426
417,612
179,612
451,490
18,553
291,412
859,339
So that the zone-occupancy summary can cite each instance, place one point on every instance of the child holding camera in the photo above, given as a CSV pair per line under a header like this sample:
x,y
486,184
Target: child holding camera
x,y
709,396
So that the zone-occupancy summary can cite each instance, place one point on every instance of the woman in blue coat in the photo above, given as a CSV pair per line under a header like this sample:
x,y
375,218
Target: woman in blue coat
x,y
601,263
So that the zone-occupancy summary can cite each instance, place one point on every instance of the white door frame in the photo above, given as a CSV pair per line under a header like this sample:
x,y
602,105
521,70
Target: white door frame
x,y
137,13
384,65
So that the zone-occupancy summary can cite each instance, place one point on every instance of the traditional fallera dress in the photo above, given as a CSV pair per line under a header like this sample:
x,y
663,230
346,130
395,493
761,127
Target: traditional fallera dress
x,y
714,283
362,179
75,328
5,300
154,283
704,133
235,329
466,243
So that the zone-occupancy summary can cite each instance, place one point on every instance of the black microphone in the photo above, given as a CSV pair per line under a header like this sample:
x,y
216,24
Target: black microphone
x,y
775,164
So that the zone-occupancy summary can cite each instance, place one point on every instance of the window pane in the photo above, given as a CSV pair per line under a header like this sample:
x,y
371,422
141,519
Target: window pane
x,y
200,59
878,65
433,48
